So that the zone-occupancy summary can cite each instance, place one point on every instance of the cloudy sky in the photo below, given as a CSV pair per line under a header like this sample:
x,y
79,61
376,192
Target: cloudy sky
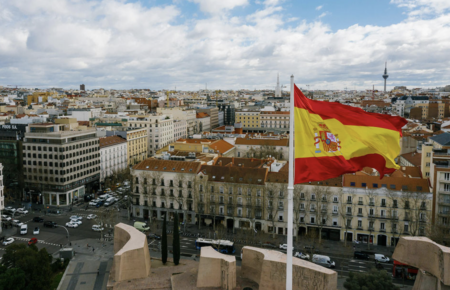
x,y
228,44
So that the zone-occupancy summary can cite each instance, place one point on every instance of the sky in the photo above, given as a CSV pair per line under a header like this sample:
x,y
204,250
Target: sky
x,y
224,44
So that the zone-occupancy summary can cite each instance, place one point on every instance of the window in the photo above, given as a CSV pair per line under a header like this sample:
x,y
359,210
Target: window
x,y
363,184
405,187
371,212
383,213
382,226
406,228
447,176
352,184
313,196
313,220
360,210
427,164
375,185
392,186
383,202
349,223
359,224
335,208
335,199
349,199
302,195
349,210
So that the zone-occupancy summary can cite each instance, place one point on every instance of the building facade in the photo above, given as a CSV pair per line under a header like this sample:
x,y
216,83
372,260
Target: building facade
x,y
213,112
113,156
275,120
179,129
136,142
249,119
203,122
60,166
2,195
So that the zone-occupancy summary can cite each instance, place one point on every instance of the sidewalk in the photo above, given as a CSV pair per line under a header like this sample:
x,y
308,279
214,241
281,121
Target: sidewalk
x,y
90,267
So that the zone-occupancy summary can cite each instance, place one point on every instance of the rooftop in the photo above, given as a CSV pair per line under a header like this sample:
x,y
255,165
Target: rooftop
x,y
111,140
151,164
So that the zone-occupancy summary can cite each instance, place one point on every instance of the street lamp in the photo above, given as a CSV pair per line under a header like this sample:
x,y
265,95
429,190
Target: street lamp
x,y
68,237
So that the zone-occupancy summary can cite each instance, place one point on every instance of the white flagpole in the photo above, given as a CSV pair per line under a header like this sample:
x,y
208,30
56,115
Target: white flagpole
x,y
290,191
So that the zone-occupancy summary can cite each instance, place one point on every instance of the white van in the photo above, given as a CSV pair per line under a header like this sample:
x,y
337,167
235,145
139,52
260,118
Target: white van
x,y
324,261
381,258
110,201
23,229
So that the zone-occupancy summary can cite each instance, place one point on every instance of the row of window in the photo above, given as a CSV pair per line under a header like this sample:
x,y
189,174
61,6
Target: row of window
x,y
391,186
62,179
64,164
62,149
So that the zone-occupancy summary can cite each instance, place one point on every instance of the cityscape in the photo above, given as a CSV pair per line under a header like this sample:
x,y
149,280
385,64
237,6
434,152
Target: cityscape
x,y
112,180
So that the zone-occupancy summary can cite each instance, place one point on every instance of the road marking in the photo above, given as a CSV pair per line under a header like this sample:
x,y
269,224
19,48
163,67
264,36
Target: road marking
x,y
184,246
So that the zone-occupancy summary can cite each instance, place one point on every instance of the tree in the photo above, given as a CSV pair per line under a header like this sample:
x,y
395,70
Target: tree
x,y
12,279
346,210
371,213
35,263
322,196
372,280
272,206
164,241
176,241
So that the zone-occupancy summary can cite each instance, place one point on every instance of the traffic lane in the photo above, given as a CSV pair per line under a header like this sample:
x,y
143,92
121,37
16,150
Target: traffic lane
x,y
50,247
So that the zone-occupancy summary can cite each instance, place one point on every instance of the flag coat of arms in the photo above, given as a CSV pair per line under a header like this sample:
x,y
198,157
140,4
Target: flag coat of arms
x,y
332,139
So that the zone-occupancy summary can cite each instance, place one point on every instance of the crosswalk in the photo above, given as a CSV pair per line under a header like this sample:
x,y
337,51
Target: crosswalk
x,y
39,241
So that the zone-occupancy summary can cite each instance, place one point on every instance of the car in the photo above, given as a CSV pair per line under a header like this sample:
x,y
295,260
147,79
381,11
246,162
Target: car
x,y
17,223
11,209
36,231
360,255
283,246
93,202
32,241
91,216
50,224
381,258
8,241
154,236
324,261
76,217
302,256
38,219
22,210
269,245
71,225
6,218
78,222
99,204
97,228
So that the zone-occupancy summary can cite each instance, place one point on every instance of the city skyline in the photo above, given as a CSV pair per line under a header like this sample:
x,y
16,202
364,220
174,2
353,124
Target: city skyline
x,y
239,44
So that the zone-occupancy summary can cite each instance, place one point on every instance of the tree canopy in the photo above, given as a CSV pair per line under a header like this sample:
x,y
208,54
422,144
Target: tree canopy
x,y
25,267
372,280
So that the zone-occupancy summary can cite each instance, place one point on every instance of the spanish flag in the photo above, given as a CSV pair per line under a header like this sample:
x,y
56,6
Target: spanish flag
x,y
332,139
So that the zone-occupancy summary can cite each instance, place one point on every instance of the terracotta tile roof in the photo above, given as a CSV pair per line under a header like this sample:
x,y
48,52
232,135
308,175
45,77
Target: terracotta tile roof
x,y
235,174
110,141
151,164
221,146
202,115
282,177
240,162
262,142
392,183
413,157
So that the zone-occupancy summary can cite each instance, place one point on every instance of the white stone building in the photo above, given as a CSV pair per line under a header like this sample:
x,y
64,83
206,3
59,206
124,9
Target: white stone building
x,y
179,129
113,155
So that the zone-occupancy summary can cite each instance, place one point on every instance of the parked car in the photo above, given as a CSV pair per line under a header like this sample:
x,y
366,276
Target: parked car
x,y
284,247
93,202
99,204
49,224
301,256
6,218
8,241
32,241
381,258
269,245
38,219
97,228
360,255
71,225
154,236
10,209
76,217
91,216
36,231
324,261
17,223
78,222
22,210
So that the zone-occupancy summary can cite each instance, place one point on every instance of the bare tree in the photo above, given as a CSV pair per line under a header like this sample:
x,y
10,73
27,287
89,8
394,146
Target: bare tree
x,y
392,215
419,213
298,192
371,212
347,210
272,192
320,202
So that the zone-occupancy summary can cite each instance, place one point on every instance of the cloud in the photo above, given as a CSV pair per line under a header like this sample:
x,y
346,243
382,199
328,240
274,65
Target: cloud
x,y
323,15
214,6
119,44
423,7
319,7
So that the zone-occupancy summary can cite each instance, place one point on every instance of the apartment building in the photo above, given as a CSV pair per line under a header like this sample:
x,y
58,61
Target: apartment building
x,y
164,187
203,146
188,115
436,158
59,165
136,139
213,112
249,119
113,155
275,120
203,122
160,130
261,146
179,129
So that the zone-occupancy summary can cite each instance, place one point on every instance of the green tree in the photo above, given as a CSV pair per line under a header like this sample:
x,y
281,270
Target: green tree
x,y
372,280
13,279
164,241
176,241
35,263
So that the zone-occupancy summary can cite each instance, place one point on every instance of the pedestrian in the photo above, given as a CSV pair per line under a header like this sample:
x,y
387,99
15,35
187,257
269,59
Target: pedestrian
x,y
93,249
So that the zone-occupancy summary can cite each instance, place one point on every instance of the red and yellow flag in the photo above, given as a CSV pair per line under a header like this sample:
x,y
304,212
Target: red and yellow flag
x,y
332,139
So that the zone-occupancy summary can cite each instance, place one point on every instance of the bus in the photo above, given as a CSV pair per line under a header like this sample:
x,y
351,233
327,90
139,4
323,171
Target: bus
x,y
401,270
222,246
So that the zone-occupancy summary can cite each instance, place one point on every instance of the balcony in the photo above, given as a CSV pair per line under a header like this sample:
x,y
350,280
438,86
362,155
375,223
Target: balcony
x,y
382,230
334,213
360,214
360,203
371,203
444,201
370,229
258,217
280,207
349,202
359,228
349,214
